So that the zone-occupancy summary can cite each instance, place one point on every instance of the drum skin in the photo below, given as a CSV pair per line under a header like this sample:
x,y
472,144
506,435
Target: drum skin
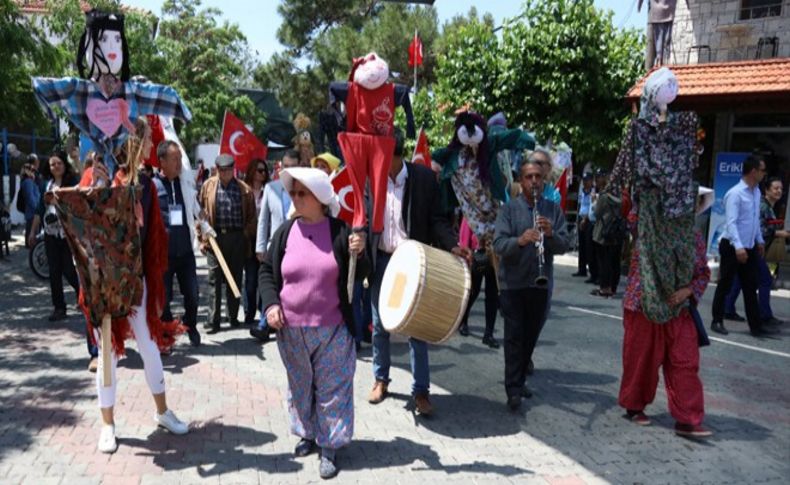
x,y
424,292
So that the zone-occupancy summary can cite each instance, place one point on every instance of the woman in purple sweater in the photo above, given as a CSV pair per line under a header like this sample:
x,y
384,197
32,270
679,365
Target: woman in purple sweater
x,y
303,281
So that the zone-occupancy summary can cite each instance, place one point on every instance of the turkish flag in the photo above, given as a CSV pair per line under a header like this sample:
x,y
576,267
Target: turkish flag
x,y
341,183
415,51
562,186
239,142
422,152
157,136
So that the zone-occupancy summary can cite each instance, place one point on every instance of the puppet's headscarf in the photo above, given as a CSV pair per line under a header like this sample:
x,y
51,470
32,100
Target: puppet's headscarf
x,y
660,89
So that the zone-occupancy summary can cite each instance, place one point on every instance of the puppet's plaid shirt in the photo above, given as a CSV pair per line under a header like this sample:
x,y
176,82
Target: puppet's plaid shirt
x,y
71,94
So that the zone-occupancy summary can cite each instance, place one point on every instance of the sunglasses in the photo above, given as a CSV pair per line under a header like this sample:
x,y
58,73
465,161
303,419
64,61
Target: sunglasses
x,y
225,169
261,170
300,193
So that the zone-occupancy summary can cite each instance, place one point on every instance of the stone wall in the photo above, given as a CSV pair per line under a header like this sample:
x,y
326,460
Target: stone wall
x,y
715,23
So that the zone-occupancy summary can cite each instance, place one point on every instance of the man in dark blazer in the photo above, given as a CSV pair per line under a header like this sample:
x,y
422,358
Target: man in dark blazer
x,y
412,212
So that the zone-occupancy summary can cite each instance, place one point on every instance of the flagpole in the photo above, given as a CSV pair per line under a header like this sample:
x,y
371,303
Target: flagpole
x,y
415,61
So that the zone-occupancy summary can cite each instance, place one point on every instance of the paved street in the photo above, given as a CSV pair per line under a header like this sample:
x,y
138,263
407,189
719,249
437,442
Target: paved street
x,y
232,391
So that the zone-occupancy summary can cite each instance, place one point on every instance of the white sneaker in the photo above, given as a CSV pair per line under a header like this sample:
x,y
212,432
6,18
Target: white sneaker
x,y
170,422
107,443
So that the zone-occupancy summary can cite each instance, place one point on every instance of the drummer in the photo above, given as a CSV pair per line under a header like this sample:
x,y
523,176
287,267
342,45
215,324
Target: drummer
x,y
412,192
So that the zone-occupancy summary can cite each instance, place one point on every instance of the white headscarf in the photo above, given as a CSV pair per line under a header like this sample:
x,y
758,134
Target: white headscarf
x,y
317,181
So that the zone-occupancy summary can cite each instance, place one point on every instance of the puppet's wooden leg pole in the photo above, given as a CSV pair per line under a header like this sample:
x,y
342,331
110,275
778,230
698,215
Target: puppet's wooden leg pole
x,y
106,350
352,271
224,266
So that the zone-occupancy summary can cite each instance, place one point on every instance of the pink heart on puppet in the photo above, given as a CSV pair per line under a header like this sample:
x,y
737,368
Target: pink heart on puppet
x,y
107,116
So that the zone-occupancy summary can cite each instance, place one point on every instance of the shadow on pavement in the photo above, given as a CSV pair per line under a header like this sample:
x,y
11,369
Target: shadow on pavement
x,y
367,454
213,449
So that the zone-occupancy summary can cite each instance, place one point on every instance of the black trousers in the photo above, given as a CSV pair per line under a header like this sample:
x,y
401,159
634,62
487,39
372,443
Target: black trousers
x,y
594,248
523,311
61,265
232,245
748,274
609,265
184,268
492,297
251,266
585,248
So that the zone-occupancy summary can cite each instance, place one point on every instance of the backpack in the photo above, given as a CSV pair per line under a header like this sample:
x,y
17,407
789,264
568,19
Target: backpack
x,y
20,199
614,229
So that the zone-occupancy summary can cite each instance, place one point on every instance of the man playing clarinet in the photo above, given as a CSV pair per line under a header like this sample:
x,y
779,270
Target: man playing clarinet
x,y
529,231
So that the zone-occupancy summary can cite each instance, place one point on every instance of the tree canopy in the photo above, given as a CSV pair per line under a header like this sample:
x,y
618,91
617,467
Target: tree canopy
x,y
187,47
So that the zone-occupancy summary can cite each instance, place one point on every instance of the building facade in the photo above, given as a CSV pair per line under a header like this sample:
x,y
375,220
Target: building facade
x,y
730,30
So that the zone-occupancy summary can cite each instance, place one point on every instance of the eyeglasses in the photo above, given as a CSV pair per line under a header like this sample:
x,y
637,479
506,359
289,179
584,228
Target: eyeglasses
x,y
261,170
300,193
225,169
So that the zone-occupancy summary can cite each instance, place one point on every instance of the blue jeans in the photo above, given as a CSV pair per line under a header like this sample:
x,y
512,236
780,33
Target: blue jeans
x,y
381,340
763,291
182,267
362,309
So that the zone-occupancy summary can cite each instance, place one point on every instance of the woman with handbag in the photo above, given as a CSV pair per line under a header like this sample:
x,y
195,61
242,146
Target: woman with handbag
x,y
482,268
303,285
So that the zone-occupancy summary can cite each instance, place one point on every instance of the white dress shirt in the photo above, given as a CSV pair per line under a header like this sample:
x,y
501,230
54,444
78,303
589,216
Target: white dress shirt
x,y
394,233
742,208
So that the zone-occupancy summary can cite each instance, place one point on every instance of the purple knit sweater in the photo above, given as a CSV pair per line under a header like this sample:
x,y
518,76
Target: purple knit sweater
x,y
309,296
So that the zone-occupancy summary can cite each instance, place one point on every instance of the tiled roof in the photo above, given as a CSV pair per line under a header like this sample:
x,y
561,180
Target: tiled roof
x,y
767,78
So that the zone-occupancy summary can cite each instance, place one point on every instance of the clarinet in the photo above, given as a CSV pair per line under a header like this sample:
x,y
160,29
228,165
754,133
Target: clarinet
x,y
541,280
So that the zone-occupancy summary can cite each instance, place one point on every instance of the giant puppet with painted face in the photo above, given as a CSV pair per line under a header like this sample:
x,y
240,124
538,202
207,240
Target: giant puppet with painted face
x,y
656,163
471,177
104,103
368,144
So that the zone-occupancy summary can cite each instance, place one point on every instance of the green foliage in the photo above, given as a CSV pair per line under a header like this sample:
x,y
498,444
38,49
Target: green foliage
x,y
564,71
305,20
25,51
387,30
203,59
560,69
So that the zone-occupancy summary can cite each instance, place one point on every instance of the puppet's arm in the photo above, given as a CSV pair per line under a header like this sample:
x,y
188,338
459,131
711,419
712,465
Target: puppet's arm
x,y
156,99
51,92
513,139
402,99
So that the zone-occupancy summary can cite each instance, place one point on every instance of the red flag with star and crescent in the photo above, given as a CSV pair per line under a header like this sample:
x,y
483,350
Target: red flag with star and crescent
x,y
341,183
240,142
415,51
422,152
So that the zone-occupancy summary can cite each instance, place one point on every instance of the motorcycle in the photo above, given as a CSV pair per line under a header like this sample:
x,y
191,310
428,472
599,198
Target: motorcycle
x,y
37,258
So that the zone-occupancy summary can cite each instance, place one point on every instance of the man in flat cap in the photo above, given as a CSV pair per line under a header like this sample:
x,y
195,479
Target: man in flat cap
x,y
229,207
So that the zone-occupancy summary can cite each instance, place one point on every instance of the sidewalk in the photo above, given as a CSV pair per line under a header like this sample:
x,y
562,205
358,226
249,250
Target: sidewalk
x,y
232,391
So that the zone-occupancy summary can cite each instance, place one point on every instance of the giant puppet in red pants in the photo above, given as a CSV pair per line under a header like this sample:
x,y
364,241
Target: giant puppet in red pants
x,y
368,143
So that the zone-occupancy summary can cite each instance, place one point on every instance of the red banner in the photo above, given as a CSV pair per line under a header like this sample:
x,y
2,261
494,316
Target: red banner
x,y
240,142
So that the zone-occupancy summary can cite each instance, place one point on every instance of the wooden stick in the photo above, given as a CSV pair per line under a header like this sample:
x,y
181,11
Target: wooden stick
x,y
106,350
224,266
352,272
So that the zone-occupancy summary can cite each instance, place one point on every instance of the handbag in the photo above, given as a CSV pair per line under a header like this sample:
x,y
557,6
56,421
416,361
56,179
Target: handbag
x,y
702,334
776,251
480,261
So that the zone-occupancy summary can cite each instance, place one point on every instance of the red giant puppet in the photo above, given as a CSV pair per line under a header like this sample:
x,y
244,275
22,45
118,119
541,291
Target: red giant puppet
x,y
368,144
